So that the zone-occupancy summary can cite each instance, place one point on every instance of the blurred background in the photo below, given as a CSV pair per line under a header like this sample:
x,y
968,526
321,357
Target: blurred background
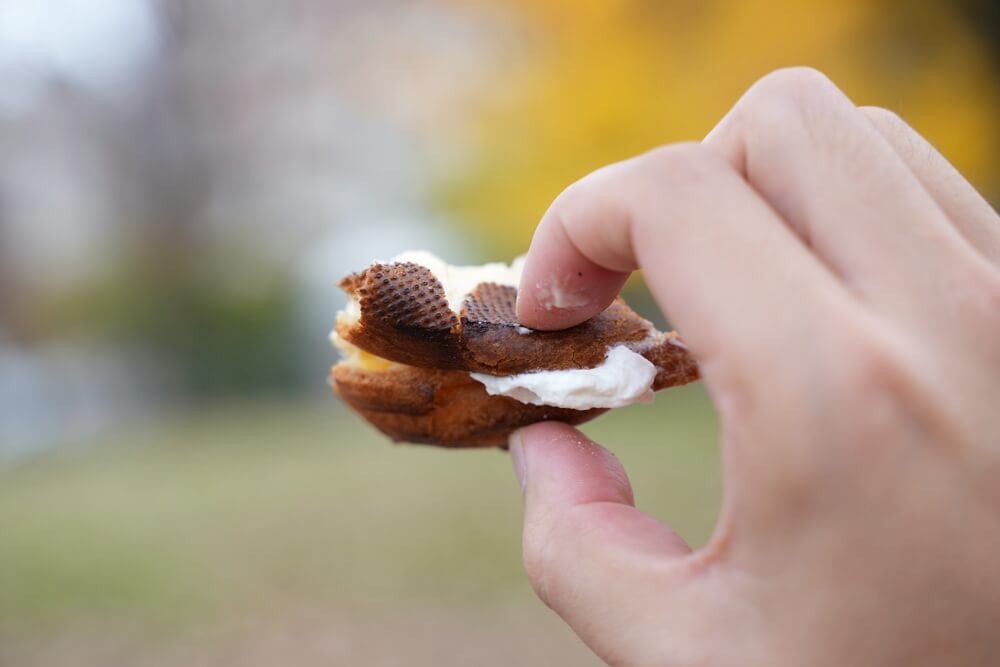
x,y
182,183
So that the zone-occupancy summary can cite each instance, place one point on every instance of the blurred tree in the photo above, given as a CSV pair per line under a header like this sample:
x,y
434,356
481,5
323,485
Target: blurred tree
x,y
592,82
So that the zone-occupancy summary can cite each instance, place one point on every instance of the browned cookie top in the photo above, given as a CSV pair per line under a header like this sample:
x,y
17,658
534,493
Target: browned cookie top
x,y
405,317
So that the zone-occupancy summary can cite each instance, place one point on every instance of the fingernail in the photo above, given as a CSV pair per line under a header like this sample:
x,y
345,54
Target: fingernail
x,y
516,446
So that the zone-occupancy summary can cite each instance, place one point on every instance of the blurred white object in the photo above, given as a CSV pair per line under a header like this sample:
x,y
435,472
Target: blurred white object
x,y
101,46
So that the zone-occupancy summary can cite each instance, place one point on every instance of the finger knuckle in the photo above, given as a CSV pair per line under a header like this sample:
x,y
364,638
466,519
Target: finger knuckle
x,y
793,83
885,118
583,195
549,547
572,198
885,373
900,135
782,100
537,558
873,363
677,165
672,155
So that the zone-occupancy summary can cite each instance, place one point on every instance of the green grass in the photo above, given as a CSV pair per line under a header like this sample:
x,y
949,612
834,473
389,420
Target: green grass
x,y
238,508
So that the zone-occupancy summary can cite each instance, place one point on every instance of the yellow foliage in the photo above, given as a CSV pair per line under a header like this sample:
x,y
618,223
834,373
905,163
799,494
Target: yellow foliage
x,y
595,81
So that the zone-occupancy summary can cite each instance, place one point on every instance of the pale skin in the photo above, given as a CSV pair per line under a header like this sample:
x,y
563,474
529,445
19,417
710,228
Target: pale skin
x,y
839,283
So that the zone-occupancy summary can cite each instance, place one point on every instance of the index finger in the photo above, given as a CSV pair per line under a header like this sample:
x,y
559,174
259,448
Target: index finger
x,y
722,265
560,285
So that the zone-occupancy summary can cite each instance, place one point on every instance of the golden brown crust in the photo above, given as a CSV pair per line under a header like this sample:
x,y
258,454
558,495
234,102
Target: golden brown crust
x,y
404,316
674,364
440,407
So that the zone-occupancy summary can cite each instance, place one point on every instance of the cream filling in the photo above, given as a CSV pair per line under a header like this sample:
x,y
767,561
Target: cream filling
x,y
625,377
352,355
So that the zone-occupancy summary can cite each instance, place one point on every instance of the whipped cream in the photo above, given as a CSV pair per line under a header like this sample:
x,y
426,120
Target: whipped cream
x,y
458,281
557,296
625,377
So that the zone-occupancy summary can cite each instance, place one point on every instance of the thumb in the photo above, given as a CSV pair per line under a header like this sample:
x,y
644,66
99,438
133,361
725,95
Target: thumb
x,y
591,556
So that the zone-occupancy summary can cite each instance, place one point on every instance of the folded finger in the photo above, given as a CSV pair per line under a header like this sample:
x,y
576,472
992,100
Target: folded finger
x,y
971,214
831,175
714,254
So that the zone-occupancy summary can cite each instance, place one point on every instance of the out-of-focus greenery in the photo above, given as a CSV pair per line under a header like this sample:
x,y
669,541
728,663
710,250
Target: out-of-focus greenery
x,y
243,508
215,338
594,82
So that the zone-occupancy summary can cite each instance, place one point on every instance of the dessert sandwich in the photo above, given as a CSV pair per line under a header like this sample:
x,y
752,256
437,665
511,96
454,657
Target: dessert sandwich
x,y
433,353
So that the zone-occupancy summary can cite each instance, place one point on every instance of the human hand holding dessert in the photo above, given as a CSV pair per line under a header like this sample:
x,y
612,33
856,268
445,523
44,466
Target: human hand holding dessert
x,y
839,284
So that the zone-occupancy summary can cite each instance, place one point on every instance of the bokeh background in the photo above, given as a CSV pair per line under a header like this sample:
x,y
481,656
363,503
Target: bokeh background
x,y
182,182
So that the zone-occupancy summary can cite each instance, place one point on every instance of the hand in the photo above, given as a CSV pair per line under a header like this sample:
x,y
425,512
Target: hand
x,y
839,283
